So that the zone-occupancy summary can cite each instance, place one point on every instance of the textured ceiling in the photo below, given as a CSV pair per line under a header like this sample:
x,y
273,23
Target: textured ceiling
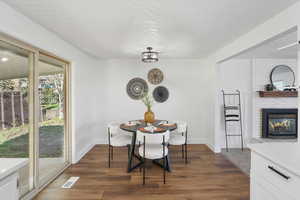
x,y
123,28
269,49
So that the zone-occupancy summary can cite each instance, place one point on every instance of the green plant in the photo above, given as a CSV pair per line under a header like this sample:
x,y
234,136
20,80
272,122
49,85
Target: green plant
x,y
148,101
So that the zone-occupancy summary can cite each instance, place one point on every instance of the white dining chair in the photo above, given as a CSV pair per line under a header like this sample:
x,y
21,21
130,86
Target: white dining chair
x,y
154,147
116,139
179,137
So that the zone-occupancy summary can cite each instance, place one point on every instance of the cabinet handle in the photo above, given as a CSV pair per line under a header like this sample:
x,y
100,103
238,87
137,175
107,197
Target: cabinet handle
x,y
279,173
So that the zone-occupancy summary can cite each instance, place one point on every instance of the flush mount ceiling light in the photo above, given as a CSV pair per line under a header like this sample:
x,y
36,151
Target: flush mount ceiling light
x,y
4,59
149,56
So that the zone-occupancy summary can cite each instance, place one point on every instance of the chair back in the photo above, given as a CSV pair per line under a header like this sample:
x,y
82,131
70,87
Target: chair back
x,y
181,127
113,128
152,138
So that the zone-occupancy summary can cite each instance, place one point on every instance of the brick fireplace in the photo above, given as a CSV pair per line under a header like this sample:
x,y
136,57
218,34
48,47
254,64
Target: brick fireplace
x,y
280,123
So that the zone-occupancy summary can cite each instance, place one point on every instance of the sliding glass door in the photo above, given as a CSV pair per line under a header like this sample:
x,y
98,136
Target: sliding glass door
x,y
52,136
34,100
15,115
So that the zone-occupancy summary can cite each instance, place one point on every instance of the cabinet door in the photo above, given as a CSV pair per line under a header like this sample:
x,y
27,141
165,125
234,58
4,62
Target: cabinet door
x,y
260,193
264,190
8,188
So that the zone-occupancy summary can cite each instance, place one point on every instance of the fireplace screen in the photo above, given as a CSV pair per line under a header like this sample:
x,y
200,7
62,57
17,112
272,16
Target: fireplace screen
x,y
282,124
278,123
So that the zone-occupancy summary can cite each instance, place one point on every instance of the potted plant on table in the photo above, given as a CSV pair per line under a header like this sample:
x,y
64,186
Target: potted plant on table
x,y
149,116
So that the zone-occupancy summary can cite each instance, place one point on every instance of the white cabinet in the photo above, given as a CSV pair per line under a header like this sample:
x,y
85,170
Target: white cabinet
x,y
9,187
9,177
272,181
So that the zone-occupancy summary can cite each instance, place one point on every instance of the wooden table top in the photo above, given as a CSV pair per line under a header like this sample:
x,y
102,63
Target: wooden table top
x,y
141,124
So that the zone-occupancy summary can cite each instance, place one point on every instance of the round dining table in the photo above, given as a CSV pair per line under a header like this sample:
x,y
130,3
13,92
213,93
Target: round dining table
x,y
133,126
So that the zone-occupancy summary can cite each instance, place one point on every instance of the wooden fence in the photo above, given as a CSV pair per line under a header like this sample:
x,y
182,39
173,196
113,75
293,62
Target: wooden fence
x,y
13,109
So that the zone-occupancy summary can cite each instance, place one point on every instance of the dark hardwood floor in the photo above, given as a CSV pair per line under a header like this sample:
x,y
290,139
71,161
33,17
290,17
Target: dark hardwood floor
x,y
207,176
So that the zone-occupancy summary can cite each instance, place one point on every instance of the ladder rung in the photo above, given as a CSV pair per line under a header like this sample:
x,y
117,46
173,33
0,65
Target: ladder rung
x,y
231,94
232,120
231,115
233,135
231,108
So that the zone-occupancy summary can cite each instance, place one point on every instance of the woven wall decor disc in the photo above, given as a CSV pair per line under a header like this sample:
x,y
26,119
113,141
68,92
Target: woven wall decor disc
x,y
155,76
160,94
137,88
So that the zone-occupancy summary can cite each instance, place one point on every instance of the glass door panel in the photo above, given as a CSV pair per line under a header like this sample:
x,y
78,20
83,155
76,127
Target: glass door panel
x,y
15,115
52,134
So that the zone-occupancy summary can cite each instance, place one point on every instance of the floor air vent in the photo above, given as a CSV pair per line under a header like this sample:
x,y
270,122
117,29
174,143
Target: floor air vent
x,y
70,182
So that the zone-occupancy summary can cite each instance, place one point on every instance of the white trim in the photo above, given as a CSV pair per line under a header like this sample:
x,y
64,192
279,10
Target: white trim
x,y
33,193
213,148
101,141
195,140
82,153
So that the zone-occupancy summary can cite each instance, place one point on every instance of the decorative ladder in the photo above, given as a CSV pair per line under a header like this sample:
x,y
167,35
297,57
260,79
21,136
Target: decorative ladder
x,y
233,113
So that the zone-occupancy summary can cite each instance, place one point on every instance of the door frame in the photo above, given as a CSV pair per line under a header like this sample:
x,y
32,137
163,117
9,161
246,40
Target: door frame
x,y
35,184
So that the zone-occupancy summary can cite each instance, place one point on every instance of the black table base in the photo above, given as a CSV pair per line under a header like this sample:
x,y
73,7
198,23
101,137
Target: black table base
x,y
132,155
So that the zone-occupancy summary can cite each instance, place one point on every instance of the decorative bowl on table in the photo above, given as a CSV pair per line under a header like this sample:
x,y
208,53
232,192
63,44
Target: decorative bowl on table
x,y
132,123
168,125
151,129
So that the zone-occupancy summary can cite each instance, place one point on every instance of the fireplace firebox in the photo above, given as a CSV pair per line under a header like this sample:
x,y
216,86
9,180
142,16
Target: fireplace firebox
x,y
280,123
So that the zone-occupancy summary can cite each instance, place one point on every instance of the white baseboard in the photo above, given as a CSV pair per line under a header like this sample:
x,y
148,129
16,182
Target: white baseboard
x,y
213,148
82,153
100,141
197,141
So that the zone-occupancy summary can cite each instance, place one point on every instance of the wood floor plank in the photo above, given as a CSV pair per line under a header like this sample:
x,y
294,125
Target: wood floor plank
x,y
207,176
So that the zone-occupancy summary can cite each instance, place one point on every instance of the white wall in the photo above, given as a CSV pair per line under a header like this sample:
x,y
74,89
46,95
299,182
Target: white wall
x,y
279,24
250,76
261,76
189,84
93,91
236,74
87,111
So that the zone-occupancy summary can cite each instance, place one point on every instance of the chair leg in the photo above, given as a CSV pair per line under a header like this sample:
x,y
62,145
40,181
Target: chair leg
x,y
141,168
144,172
182,151
108,156
112,153
165,169
144,160
128,151
186,159
139,145
164,160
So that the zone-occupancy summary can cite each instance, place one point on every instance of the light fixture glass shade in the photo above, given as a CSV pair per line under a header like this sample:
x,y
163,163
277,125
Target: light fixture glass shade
x,y
149,55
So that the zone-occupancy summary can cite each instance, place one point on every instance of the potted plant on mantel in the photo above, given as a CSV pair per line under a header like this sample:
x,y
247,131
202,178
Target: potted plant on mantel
x,y
149,116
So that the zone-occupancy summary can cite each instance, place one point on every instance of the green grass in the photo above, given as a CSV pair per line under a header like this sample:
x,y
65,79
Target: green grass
x,y
15,148
10,133
51,143
50,106
54,121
